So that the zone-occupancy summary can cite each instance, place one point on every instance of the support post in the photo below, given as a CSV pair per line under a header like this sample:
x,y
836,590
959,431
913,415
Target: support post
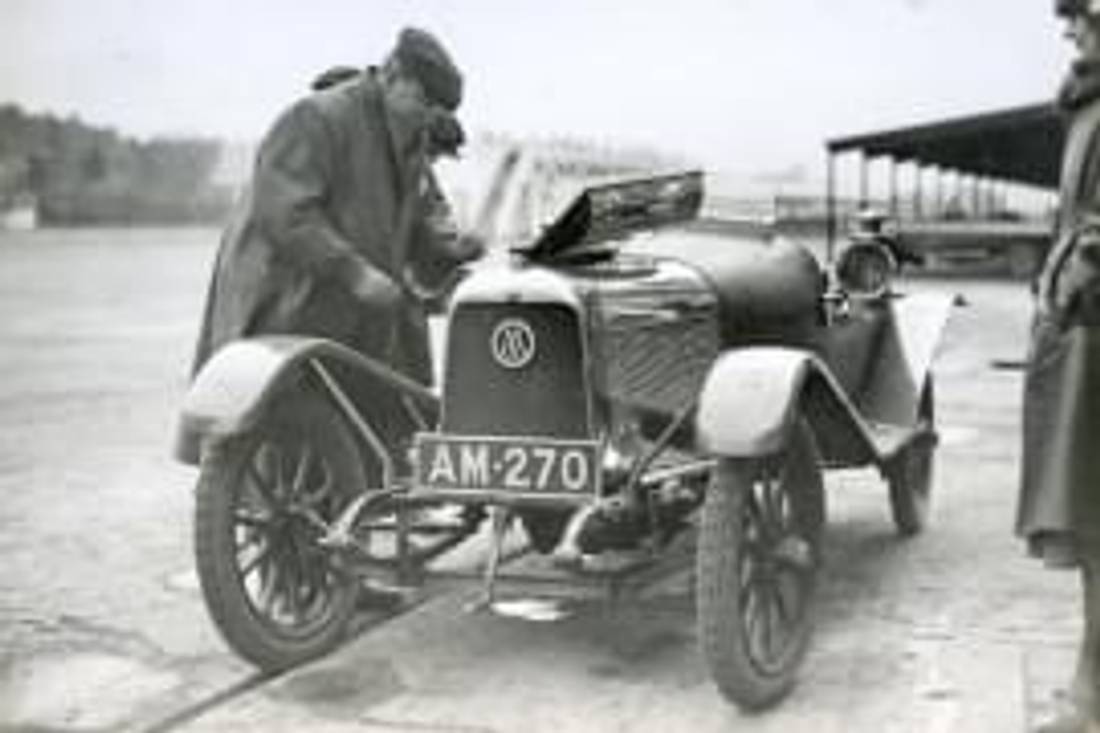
x,y
830,205
863,182
918,194
894,188
939,192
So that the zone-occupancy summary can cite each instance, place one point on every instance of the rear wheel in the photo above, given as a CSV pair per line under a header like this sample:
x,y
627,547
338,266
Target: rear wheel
x,y
909,475
274,593
758,557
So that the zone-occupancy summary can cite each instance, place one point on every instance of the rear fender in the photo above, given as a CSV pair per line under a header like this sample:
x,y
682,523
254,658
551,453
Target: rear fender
x,y
235,386
753,397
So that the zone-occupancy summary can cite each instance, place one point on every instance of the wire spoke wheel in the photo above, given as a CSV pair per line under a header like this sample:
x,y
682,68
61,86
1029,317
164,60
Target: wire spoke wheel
x,y
287,578
758,558
774,586
278,597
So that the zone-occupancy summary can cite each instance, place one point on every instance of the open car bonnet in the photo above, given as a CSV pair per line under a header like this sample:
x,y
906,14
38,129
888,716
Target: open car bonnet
x,y
610,211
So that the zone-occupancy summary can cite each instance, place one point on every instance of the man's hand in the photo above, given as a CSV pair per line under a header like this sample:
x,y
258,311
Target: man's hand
x,y
468,246
374,288
1088,245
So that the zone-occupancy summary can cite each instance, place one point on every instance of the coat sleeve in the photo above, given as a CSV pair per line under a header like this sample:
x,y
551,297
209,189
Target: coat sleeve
x,y
291,185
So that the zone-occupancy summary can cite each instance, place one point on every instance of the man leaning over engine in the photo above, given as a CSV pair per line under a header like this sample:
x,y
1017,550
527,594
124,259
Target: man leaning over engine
x,y
341,208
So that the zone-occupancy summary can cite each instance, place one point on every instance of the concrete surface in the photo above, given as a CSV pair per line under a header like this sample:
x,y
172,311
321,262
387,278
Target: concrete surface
x,y
101,626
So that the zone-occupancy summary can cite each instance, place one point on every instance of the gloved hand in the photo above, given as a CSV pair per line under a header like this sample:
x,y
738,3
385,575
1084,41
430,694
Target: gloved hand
x,y
374,288
1075,296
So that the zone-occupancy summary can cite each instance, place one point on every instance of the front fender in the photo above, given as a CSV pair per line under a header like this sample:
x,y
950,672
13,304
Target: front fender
x,y
234,387
752,399
904,358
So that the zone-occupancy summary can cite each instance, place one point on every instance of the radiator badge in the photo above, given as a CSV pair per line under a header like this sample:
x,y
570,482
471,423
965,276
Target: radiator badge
x,y
513,343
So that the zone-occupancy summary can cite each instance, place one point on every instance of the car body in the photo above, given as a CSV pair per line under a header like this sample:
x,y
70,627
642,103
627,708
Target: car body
x,y
632,379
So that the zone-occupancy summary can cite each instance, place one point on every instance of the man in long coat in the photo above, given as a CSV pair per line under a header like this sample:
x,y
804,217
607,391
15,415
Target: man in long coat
x,y
342,205
1059,510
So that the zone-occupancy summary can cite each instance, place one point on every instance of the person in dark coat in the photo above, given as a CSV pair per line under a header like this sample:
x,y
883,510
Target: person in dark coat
x,y
445,133
444,138
341,207
1059,508
872,225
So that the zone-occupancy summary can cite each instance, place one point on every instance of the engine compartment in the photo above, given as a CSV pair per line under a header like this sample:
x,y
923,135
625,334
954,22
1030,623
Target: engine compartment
x,y
768,288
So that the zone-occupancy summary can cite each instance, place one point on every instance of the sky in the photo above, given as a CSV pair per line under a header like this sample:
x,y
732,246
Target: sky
x,y
746,86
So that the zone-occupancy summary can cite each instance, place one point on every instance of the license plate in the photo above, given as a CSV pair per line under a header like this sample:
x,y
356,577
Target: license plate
x,y
520,465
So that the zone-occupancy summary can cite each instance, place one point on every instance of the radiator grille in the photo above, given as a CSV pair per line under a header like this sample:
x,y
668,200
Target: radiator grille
x,y
545,397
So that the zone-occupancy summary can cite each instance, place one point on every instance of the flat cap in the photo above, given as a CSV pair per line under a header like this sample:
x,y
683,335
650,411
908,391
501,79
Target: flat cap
x,y
423,56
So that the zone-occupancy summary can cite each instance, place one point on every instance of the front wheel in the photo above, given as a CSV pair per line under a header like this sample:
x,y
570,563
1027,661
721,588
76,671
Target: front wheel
x,y
274,593
758,557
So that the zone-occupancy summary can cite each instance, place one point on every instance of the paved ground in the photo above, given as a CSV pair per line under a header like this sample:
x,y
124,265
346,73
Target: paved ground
x,y
101,626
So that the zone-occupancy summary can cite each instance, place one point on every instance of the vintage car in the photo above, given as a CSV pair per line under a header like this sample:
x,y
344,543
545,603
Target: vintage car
x,y
633,380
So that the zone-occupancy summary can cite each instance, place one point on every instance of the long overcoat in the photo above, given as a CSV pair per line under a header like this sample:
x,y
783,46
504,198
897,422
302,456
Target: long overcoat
x,y
326,197
329,193
1059,506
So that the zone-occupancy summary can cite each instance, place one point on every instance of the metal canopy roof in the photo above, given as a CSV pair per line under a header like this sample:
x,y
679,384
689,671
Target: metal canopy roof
x,y
1021,144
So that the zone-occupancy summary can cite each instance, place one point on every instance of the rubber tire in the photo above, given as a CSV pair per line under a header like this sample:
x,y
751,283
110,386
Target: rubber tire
x,y
718,594
226,600
910,475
